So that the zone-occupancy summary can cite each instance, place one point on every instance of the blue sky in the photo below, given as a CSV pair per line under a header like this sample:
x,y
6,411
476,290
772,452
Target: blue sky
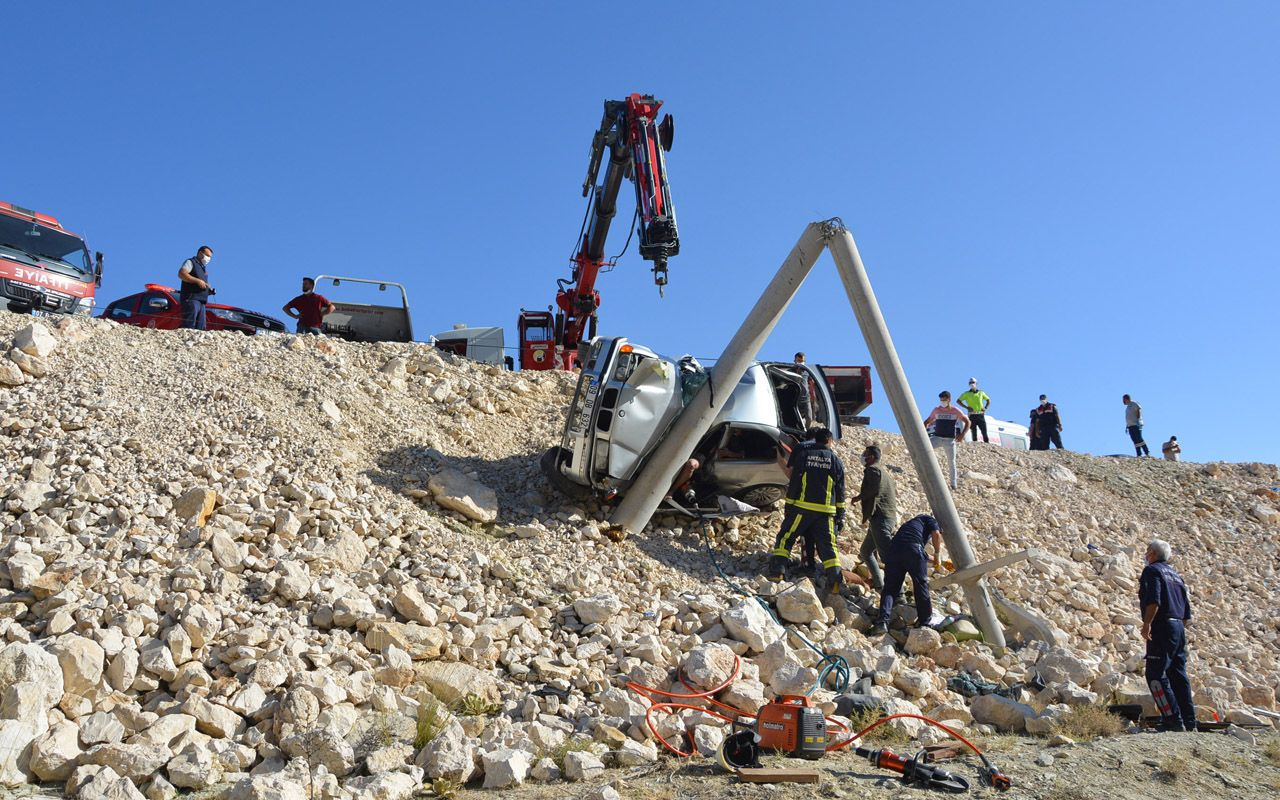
x,y
1078,200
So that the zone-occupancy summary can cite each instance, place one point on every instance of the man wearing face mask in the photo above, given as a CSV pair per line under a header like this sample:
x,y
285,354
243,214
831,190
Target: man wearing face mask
x,y
195,291
309,309
949,425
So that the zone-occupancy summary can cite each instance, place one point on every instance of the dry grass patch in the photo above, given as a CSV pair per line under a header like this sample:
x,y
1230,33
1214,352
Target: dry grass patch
x,y
432,719
886,734
1170,769
1083,723
1271,750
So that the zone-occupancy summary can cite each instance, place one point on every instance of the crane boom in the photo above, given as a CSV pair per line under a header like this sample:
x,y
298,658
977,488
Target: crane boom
x,y
634,141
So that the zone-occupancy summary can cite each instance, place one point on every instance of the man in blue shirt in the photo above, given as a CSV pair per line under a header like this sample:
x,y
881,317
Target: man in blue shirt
x,y
815,506
907,556
1162,595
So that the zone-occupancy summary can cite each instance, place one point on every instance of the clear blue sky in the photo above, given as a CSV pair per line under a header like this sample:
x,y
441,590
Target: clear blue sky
x,y
1079,200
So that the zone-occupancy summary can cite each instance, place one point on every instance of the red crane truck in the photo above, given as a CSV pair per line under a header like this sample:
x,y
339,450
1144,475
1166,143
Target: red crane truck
x,y
635,141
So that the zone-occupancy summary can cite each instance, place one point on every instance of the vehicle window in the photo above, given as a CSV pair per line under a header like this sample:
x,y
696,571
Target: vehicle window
x,y
537,333
39,240
122,309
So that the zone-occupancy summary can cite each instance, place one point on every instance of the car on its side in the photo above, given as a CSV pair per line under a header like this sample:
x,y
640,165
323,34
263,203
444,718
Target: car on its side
x,y
628,396
158,307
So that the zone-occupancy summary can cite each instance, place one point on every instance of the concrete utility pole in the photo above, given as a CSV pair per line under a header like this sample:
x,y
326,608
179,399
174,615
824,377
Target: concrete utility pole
x,y
885,357
645,495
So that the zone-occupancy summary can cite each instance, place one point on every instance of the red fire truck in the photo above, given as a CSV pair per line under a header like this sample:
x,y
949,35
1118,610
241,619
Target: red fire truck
x,y
43,266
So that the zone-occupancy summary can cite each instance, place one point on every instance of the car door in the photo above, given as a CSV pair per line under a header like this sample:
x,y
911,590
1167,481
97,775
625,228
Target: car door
x,y
158,310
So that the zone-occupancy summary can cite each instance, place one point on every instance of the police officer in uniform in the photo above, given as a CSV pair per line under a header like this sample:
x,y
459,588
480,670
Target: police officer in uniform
x,y
815,506
195,290
1162,595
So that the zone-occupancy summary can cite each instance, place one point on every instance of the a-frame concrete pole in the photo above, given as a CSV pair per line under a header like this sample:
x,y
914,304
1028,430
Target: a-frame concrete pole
x,y
885,357
645,495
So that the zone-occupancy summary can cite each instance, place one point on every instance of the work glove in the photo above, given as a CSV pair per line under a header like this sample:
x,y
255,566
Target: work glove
x,y
839,520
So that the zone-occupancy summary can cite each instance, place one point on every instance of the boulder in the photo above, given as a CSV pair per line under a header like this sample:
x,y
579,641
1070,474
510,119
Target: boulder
x,y
137,762
196,767
506,768
321,746
35,340
421,642
709,665
100,728
582,765
195,505
385,786
1060,666
11,374
457,492
213,719
450,755
799,603
24,568
54,755
81,661
600,608
750,624
923,641
1005,714
106,784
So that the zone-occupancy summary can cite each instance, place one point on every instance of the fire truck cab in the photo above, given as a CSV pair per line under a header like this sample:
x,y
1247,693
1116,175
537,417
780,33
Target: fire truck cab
x,y
43,266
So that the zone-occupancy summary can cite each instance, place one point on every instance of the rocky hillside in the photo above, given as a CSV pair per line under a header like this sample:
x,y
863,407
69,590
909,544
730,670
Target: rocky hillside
x,y
292,567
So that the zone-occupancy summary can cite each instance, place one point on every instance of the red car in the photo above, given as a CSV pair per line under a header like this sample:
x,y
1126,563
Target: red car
x,y
158,307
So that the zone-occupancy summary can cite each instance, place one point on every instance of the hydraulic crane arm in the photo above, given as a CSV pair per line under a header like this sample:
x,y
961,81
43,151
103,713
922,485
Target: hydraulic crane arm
x,y
635,141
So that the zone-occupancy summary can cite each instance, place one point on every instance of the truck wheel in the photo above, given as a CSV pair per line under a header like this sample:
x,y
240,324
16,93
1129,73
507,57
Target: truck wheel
x,y
761,495
550,464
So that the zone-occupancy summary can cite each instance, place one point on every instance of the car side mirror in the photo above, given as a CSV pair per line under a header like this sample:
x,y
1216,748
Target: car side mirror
x,y
97,268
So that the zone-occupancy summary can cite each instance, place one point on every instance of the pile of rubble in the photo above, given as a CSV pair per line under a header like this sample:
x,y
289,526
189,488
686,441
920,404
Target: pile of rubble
x,y
291,567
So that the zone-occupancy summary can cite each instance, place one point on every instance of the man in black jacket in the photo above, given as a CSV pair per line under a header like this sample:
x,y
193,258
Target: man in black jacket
x,y
815,506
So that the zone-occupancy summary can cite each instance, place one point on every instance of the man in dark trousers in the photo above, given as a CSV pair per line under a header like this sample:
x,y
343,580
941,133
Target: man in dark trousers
x,y
309,308
195,289
1133,426
907,556
815,506
1046,425
1162,595
879,513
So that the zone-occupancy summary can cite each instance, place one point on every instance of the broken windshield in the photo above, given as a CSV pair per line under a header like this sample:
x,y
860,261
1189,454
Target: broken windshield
x,y
59,251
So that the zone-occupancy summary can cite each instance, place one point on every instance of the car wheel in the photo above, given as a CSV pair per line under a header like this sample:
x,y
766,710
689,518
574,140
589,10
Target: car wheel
x,y
550,464
761,495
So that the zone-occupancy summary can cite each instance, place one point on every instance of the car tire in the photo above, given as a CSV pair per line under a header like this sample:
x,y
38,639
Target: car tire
x,y
762,495
550,464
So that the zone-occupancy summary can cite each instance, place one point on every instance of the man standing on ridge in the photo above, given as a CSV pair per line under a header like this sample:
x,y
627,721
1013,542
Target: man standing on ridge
x,y
815,506
879,510
907,556
309,308
194,289
1162,595
1133,426
976,402
949,424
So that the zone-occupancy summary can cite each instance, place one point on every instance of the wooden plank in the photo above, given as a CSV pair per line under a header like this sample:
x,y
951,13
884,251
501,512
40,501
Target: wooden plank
x,y
970,574
944,752
772,775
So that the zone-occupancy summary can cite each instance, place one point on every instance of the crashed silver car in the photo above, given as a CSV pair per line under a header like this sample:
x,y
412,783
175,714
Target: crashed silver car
x,y
628,396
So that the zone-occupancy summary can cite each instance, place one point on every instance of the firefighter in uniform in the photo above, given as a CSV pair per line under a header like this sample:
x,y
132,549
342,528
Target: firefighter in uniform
x,y
1162,594
815,506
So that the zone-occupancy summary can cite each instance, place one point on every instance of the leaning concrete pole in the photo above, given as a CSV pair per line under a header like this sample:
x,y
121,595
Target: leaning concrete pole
x,y
885,357
645,495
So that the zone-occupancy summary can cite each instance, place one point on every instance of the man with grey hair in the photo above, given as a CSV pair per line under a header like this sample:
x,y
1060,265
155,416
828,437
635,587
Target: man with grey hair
x,y
1166,607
